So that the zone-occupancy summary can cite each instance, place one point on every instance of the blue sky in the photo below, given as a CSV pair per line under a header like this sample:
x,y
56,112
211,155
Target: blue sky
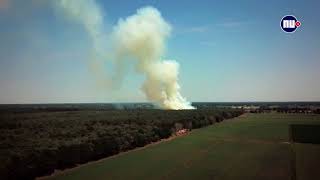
x,y
227,50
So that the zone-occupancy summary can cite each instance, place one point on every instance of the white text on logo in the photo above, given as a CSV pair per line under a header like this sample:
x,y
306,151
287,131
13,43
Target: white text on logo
x,y
289,23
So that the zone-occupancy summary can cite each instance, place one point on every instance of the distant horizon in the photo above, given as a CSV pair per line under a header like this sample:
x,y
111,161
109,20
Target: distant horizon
x,y
153,103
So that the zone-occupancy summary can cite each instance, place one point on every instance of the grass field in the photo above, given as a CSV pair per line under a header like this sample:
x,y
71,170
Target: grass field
x,y
254,146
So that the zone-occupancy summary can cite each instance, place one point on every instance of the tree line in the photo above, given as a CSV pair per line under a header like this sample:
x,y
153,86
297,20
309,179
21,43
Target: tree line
x,y
36,143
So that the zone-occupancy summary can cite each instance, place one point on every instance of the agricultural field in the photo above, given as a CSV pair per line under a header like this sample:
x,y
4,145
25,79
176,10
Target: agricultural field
x,y
252,146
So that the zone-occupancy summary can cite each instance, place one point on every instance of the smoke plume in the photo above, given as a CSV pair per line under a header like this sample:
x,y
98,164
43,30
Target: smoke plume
x,y
140,37
86,12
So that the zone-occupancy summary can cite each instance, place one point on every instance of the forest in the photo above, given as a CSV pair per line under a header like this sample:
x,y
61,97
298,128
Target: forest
x,y
36,142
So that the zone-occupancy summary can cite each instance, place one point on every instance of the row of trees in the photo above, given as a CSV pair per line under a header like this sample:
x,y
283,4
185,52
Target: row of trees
x,y
35,144
288,110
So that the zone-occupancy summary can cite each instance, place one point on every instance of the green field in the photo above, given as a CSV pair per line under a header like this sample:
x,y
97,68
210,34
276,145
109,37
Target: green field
x,y
254,146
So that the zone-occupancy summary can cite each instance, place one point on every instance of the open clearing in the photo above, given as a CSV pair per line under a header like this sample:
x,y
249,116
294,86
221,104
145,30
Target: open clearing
x,y
255,146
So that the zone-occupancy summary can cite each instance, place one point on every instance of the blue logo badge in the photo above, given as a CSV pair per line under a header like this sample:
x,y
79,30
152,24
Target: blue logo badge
x,y
289,24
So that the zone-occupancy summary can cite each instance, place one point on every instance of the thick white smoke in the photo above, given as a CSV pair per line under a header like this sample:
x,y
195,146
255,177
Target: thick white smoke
x,y
141,37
